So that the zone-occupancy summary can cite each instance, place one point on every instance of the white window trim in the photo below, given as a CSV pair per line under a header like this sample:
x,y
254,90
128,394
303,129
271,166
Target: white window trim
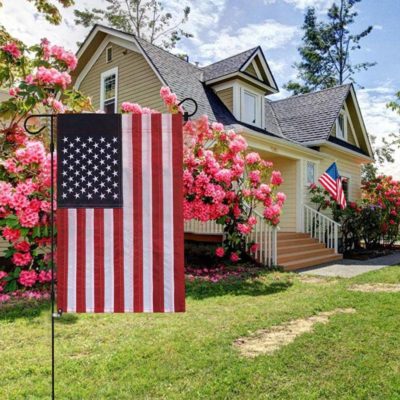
x,y
103,76
108,48
315,172
344,115
259,106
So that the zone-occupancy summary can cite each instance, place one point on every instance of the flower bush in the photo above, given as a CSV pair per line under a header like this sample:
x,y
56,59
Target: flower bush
x,y
36,77
225,182
373,221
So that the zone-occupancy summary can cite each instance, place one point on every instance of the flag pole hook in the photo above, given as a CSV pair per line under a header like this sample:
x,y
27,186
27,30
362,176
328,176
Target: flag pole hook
x,y
54,314
186,115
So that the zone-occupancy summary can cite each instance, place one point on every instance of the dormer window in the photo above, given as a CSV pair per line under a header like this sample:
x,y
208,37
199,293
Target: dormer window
x,y
341,126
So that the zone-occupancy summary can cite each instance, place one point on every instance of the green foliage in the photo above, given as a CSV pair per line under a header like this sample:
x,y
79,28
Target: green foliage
x,y
327,48
146,19
49,9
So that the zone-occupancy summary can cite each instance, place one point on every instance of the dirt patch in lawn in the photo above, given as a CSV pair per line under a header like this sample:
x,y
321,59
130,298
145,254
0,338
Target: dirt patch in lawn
x,y
316,280
376,287
267,341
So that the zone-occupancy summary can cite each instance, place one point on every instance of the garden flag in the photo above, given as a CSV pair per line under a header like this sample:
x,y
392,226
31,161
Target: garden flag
x,y
119,215
332,182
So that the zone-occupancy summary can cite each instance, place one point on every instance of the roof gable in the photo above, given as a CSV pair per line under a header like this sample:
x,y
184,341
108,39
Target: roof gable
x,y
250,63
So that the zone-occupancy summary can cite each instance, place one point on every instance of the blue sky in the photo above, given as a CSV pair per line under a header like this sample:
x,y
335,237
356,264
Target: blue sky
x,y
225,27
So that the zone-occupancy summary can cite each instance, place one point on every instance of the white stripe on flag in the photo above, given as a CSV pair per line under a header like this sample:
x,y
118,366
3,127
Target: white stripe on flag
x,y
89,247
72,254
147,214
108,260
127,181
168,223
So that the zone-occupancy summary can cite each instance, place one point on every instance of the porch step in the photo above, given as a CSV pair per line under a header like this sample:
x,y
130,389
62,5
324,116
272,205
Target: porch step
x,y
301,254
310,262
299,250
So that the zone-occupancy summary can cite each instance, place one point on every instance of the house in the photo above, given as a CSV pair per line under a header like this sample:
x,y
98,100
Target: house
x,y
302,134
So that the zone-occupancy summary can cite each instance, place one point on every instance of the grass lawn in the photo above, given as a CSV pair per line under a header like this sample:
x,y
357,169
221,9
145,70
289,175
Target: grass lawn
x,y
190,356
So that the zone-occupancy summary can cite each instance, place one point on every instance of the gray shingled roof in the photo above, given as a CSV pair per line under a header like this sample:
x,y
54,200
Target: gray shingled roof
x,y
302,119
228,65
310,117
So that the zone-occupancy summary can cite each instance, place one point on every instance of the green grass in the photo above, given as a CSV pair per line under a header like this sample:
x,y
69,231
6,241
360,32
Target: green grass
x,y
190,356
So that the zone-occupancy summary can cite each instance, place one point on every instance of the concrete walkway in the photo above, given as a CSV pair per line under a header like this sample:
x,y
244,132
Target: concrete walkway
x,y
350,268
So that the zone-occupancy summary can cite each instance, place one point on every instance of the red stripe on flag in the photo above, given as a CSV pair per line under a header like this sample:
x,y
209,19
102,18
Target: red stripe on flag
x,y
81,260
99,260
119,305
179,274
62,258
158,215
137,213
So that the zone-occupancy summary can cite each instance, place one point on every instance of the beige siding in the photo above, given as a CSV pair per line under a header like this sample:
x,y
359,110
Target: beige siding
x,y
3,246
137,82
288,169
348,167
350,134
226,95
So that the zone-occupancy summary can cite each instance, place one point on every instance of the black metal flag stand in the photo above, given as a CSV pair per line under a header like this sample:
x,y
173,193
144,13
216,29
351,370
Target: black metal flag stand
x,y
54,314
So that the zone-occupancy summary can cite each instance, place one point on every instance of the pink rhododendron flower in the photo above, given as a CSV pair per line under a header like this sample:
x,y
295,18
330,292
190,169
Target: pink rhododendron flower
x,y
22,246
27,278
253,158
234,257
220,252
61,54
44,276
244,228
12,49
216,126
33,152
21,259
13,92
4,298
48,77
254,248
133,108
255,176
276,178
28,218
11,234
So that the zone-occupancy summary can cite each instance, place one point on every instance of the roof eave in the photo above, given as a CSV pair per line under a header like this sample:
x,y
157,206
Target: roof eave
x,y
339,148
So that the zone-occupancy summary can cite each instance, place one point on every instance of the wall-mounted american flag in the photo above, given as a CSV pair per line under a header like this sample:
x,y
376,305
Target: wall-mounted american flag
x,y
119,216
332,183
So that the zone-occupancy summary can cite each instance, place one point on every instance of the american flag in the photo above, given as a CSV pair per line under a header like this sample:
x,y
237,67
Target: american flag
x,y
332,183
119,216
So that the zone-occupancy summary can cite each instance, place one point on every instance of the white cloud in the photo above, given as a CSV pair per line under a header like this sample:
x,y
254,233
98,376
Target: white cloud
x,y
270,34
379,120
21,19
320,5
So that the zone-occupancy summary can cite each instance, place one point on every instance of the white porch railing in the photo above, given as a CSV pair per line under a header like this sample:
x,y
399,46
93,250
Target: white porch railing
x,y
321,228
263,234
203,228
266,236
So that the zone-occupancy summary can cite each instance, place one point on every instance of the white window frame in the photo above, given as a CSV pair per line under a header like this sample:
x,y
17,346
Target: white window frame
x,y
343,135
258,97
314,165
107,49
104,75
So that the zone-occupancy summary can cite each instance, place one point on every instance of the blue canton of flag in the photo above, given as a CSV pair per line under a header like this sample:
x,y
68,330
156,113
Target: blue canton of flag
x,y
89,161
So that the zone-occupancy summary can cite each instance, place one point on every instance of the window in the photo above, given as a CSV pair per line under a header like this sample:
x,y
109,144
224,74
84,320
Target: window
x,y
346,185
108,91
109,54
249,108
341,128
310,172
